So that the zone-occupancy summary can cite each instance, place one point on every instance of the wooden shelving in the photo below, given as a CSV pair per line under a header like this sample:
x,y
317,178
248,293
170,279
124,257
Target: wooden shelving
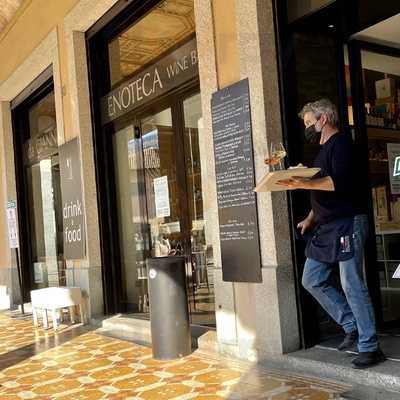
x,y
384,134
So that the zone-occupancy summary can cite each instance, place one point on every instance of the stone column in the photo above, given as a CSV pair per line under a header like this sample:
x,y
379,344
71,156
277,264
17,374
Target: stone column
x,y
253,320
9,289
44,55
276,309
86,273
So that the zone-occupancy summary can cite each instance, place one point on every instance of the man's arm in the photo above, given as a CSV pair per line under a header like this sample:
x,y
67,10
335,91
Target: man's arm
x,y
296,182
310,216
341,166
306,224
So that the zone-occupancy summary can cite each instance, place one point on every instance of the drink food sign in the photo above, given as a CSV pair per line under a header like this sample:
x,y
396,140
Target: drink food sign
x,y
168,73
72,202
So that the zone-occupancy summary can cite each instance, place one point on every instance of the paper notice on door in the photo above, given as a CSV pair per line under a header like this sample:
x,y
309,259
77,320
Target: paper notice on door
x,y
161,194
12,223
396,274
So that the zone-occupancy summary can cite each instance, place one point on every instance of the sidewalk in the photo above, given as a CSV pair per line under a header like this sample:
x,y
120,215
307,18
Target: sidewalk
x,y
80,364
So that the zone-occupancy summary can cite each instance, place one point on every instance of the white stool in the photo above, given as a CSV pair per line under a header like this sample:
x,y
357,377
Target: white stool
x,y
53,299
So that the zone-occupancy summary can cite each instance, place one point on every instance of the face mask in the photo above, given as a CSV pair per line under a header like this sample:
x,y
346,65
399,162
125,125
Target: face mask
x,y
312,133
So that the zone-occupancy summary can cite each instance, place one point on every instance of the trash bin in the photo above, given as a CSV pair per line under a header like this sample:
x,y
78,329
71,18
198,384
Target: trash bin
x,y
169,314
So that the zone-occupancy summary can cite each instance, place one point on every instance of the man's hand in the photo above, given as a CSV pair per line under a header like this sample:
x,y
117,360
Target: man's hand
x,y
295,182
298,182
305,225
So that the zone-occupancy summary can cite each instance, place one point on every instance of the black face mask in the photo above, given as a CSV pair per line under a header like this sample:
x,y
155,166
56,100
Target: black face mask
x,y
311,135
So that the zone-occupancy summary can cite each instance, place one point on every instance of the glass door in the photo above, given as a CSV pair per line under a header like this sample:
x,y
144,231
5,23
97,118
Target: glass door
x,y
159,199
132,221
45,209
165,209
201,255
43,194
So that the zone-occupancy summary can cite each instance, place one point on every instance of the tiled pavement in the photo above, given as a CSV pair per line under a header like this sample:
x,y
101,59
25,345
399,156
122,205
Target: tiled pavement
x,y
91,366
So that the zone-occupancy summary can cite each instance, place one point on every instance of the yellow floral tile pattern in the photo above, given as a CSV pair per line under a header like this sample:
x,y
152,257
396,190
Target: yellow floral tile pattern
x,y
91,367
18,333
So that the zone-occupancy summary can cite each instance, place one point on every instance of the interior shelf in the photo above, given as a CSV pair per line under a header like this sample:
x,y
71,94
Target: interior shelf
x,y
379,133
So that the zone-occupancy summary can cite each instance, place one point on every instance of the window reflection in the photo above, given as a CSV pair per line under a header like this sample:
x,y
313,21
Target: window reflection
x,y
202,264
133,235
44,195
141,44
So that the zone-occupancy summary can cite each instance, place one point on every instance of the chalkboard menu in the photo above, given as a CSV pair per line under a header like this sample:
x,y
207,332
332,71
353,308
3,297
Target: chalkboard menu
x,y
234,165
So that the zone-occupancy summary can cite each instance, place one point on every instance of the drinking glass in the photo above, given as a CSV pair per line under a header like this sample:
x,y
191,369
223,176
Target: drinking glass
x,y
276,154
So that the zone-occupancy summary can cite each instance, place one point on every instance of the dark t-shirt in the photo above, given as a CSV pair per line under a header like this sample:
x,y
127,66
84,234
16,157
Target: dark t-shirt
x,y
336,159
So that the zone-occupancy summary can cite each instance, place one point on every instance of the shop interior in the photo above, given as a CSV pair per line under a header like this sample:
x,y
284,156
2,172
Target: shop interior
x,y
349,57
380,73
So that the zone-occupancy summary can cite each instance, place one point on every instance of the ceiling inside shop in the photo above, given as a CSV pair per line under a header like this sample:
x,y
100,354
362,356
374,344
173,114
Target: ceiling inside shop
x,y
166,25
380,62
386,32
7,10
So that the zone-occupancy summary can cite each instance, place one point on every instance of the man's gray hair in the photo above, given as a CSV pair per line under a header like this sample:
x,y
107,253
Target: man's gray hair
x,y
319,107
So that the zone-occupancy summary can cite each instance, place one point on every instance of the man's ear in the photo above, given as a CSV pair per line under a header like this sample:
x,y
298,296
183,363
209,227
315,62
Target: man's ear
x,y
323,119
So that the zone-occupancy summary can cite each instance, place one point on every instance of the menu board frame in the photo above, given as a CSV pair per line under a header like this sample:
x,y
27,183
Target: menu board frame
x,y
235,181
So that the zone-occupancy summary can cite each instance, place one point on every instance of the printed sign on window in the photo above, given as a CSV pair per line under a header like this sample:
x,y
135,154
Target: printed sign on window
x,y
12,224
161,195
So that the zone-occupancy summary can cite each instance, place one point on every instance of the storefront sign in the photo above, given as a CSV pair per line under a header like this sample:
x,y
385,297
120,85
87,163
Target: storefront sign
x,y
161,196
171,71
396,170
396,274
393,151
41,146
237,208
12,224
72,202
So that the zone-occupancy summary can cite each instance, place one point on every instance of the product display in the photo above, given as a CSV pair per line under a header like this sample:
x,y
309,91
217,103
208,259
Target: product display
x,y
385,88
384,110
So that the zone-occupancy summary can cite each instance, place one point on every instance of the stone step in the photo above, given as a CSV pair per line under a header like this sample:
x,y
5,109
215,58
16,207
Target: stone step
x,y
378,381
369,393
127,328
138,330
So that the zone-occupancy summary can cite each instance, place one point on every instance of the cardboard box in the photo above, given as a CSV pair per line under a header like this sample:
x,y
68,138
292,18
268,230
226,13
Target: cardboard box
x,y
382,204
386,100
395,211
385,88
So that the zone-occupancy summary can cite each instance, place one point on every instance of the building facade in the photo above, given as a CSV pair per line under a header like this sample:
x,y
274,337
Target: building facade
x,y
123,91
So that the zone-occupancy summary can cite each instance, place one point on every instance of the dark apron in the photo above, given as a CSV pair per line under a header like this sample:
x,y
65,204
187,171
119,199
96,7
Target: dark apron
x,y
332,242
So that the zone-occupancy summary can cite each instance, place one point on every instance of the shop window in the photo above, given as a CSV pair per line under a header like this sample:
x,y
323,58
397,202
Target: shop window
x,y
44,195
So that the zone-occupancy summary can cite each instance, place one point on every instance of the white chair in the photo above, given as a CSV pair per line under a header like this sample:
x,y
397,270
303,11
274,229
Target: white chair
x,y
53,299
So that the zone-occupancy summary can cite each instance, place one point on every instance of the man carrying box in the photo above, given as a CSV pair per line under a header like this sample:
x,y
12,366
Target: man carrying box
x,y
339,229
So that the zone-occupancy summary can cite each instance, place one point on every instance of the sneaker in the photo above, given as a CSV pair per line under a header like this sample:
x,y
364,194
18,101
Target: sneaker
x,y
349,341
368,359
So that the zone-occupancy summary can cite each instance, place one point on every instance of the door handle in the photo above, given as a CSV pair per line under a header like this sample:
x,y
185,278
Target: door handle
x,y
137,132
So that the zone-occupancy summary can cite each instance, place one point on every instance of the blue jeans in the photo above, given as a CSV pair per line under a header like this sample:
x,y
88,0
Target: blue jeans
x,y
354,310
